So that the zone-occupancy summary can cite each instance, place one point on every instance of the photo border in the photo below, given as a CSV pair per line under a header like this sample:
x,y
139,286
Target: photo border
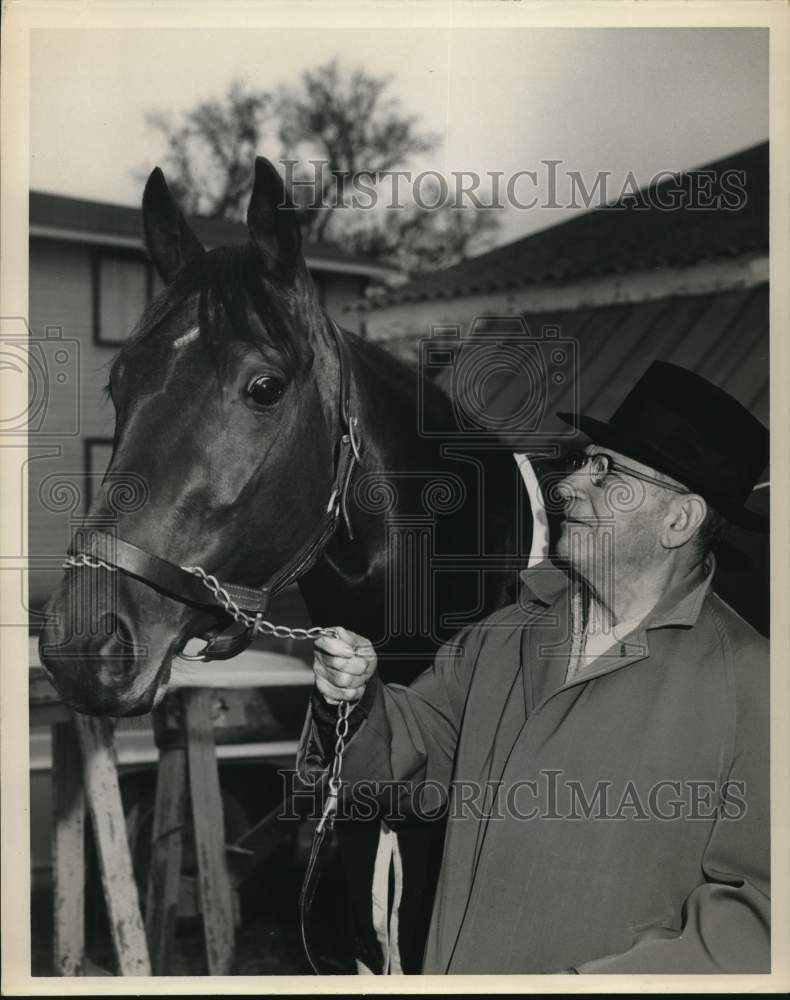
x,y
23,18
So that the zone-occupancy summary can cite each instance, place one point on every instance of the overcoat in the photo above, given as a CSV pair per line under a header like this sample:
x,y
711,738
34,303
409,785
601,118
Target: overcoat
x,y
618,822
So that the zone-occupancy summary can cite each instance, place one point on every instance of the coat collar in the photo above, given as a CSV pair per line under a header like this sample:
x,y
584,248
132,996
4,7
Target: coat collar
x,y
545,582
551,587
682,605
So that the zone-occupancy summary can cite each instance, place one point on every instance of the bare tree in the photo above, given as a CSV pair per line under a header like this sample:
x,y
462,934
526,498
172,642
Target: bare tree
x,y
416,240
347,121
338,126
211,150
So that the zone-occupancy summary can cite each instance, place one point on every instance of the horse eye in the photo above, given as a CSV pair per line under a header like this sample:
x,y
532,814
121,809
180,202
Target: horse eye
x,y
265,390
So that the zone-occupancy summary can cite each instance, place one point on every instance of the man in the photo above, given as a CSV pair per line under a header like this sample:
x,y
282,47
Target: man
x,y
603,744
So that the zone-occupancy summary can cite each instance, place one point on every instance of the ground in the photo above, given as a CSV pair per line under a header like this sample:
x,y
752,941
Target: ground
x,y
268,942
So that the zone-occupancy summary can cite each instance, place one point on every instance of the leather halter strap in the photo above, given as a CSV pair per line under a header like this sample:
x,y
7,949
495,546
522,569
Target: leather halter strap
x,y
167,576
179,583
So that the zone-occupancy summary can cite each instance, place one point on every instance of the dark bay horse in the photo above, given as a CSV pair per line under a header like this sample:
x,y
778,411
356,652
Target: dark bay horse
x,y
226,401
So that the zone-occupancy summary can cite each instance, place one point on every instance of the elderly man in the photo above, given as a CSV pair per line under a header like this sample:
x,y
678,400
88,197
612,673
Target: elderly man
x,y
602,746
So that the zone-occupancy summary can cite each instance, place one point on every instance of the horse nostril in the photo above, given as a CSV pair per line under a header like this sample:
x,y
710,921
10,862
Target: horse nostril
x,y
115,635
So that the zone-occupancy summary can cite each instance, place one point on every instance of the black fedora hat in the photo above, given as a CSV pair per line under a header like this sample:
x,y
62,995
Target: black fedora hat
x,y
684,426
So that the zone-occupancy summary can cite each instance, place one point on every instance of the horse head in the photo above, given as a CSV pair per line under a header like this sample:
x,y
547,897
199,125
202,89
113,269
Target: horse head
x,y
225,411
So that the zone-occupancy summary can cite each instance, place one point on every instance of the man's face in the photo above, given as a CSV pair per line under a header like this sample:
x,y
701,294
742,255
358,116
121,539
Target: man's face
x,y
612,531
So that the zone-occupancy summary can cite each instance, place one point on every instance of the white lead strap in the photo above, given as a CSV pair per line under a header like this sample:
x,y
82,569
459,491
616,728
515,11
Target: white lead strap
x,y
384,916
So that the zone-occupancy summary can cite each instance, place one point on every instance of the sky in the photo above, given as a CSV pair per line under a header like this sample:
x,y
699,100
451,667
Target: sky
x,y
618,99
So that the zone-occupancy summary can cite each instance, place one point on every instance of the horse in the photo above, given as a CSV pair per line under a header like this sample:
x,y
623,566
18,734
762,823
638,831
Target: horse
x,y
266,437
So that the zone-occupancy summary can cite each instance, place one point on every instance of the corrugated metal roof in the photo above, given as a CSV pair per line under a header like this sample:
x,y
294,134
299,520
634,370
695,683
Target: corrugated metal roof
x,y
618,240
723,336
58,212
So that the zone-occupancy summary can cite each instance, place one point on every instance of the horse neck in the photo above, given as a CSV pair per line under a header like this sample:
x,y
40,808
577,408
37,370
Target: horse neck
x,y
387,401
348,583
393,519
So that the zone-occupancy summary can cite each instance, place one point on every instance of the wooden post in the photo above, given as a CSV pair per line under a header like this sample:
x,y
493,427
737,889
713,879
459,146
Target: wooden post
x,y
68,852
215,891
100,778
164,875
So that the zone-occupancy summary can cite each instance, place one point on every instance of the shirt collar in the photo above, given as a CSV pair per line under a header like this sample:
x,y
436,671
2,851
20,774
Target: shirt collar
x,y
680,606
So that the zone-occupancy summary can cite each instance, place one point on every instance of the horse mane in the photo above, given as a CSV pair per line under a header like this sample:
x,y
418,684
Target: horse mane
x,y
229,281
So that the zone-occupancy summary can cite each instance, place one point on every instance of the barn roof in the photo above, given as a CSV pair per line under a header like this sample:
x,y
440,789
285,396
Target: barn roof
x,y
616,240
95,221
722,335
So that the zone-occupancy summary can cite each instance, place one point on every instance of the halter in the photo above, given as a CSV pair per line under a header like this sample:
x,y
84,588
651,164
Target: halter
x,y
246,605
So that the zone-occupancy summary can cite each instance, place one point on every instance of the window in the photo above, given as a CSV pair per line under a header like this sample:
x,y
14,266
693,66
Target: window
x,y
122,286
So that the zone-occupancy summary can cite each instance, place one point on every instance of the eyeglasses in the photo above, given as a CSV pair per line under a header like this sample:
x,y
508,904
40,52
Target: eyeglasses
x,y
602,464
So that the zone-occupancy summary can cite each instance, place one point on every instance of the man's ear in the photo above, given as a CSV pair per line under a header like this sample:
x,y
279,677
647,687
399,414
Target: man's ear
x,y
684,518
170,241
272,222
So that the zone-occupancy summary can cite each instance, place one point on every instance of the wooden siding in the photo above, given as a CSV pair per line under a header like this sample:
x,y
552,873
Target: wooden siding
x,y
61,297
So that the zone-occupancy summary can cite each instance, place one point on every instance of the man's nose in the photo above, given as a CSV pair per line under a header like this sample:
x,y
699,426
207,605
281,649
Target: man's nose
x,y
573,486
563,493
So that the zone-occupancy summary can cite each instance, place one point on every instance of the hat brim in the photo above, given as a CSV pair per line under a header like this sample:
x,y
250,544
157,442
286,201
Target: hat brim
x,y
627,444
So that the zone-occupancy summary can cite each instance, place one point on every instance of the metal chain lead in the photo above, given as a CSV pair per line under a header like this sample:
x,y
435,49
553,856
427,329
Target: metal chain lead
x,y
341,732
83,560
258,624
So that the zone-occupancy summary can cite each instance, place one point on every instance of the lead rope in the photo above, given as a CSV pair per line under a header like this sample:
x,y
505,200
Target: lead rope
x,y
322,832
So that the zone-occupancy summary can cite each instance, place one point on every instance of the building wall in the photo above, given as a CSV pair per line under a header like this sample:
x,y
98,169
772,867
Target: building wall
x,y
69,451
61,317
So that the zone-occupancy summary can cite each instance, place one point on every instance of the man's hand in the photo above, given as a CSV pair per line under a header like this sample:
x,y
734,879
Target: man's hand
x,y
343,666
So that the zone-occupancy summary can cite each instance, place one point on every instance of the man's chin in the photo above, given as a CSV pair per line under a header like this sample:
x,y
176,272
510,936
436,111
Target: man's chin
x,y
562,548
570,550
566,529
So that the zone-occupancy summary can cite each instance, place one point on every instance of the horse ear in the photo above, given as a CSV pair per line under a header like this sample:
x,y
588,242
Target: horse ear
x,y
272,221
170,241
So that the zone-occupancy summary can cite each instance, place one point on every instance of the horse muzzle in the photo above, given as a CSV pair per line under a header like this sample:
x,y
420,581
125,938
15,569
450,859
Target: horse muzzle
x,y
96,659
